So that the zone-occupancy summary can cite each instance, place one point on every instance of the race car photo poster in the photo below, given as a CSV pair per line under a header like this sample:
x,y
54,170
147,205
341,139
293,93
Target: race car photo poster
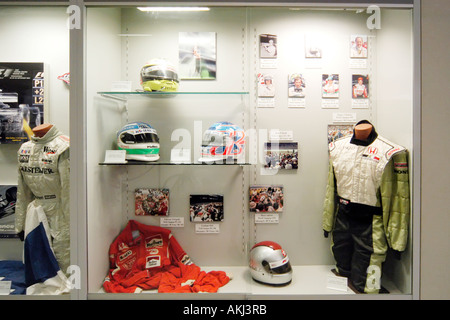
x,y
21,100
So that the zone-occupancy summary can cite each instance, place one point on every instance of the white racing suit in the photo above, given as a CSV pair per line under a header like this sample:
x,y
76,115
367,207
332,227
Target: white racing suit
x,y
44,181
366,206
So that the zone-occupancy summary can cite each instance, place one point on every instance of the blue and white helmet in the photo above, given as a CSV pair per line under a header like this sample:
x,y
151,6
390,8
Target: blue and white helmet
x,y
140,141
223,141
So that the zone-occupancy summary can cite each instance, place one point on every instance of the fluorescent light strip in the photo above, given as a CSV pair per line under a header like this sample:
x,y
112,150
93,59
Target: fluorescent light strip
x,y
169,9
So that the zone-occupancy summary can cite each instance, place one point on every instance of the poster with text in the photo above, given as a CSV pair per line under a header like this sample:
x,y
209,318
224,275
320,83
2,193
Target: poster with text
x,y
21,100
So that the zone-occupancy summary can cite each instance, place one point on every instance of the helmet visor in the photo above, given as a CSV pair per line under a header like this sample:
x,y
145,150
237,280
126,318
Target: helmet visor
x,y
285,268
278,267
155,73
139,138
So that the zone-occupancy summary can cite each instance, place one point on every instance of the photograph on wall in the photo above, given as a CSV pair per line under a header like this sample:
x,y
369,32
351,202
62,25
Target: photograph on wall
x,y
296,85
313,47
266,86
151,202
8,196
268,46
206,208
281,155
360,86
337,131
358,46
21,100
266,198
197,55
330,86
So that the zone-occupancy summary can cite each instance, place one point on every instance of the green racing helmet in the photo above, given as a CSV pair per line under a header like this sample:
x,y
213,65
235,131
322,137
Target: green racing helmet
x,y
140,141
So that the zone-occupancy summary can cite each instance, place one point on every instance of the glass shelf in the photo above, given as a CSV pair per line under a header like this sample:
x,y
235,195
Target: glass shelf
x,y
125,95
149,163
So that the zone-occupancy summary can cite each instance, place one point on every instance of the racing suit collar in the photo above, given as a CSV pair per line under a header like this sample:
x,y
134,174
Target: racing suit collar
x,y
49,136
371,138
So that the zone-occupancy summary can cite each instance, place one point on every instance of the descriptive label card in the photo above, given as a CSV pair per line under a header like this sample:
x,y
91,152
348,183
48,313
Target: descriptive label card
x,y
207,228
171,222
5,288
337,283
115,156
266,218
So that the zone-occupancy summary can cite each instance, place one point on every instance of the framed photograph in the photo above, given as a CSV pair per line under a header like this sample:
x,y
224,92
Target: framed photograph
x,y
21,100
151,202
337,131
360,86
268,46
206,208
313,47
266,198
281,155
330,85
358,46
197,55
296,85
266,86
8,196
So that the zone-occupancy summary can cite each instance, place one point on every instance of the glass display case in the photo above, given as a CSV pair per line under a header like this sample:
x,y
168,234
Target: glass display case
x,y
240,64
210,127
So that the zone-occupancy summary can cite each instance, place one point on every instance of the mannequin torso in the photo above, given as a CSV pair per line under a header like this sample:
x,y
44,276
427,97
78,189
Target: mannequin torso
x,y
362,131
41,130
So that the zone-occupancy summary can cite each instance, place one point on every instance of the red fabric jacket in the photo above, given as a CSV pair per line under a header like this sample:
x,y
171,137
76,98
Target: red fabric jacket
x,y
146,257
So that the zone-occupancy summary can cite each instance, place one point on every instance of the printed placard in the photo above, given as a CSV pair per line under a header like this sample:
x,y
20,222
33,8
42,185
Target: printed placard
x,y
5,287
207,228
267,218
337,283
115,156
171,222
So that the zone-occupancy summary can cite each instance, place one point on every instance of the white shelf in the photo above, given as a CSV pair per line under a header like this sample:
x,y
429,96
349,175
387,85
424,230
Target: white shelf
x,y
306,281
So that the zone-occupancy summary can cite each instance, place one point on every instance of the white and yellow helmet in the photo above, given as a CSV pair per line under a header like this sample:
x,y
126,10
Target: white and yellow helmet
x,y
159,75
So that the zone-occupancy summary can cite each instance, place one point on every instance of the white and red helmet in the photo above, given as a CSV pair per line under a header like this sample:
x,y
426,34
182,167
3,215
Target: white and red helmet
x,y
270,264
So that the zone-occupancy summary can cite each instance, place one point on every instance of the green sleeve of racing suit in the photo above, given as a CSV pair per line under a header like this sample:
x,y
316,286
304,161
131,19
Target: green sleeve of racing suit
x,y
395,201
24,197
329,206
64,172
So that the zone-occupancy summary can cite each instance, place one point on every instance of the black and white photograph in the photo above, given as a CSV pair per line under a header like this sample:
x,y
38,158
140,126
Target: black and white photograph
x,y
281,155
206,208
197,55
313,47
266,198
151,202
268,46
